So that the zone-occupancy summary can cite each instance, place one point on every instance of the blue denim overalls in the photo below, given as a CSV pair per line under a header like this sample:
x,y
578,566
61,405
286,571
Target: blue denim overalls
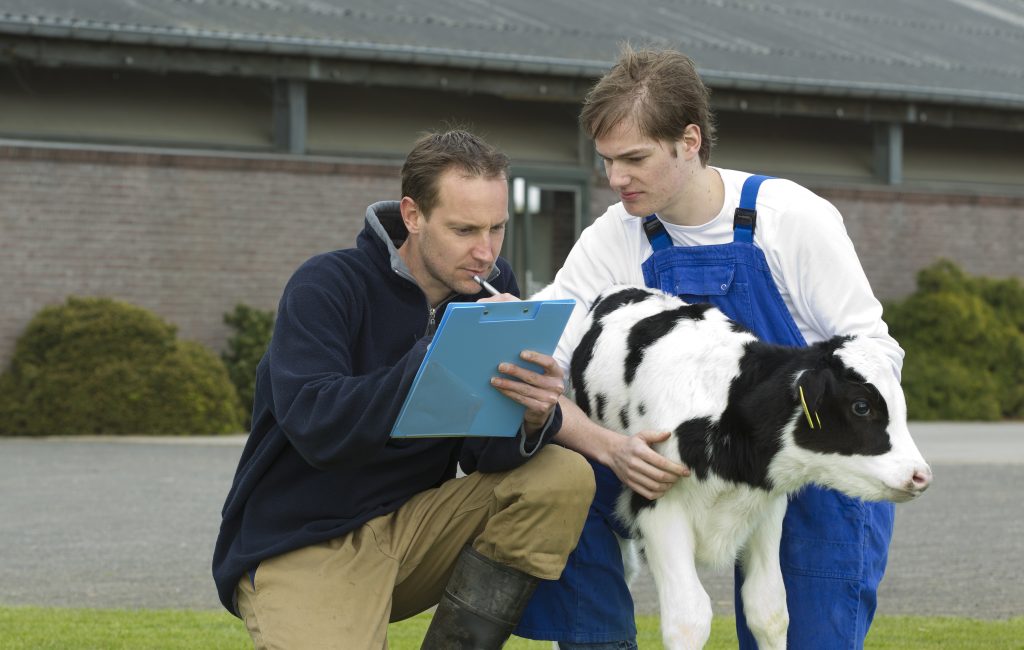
x,y
590,603
834,548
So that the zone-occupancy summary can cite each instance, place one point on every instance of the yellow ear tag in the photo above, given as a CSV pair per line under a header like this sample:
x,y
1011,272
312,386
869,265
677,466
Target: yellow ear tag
x,y
807,411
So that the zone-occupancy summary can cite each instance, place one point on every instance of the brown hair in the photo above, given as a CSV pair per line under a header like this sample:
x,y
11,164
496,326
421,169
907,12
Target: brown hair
x,y
435,153
659,90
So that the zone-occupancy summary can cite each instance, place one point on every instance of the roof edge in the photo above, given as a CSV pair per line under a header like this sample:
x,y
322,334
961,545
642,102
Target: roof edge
x,y
73,29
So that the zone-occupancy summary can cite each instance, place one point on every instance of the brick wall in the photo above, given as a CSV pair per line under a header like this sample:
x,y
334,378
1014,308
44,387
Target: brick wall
x,y
188,236
183,235
898,233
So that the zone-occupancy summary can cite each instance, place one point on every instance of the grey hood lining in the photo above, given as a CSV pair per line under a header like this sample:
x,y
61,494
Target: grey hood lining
x,y
385,219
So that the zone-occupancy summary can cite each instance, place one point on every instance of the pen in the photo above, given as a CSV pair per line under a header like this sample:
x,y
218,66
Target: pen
x,y
486,285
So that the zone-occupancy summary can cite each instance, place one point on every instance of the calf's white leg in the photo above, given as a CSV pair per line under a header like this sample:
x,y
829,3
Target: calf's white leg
x,y
631,562
763,591
668,542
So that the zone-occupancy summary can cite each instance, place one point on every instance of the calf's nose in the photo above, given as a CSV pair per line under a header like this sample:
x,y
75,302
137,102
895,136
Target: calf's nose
x,y
921,479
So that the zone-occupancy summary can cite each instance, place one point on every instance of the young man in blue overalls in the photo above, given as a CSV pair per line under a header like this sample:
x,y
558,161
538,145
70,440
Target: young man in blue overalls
x,y
773,256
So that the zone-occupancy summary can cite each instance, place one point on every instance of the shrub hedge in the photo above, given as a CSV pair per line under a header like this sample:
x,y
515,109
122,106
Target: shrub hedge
x,y
101,366
964,339
252,331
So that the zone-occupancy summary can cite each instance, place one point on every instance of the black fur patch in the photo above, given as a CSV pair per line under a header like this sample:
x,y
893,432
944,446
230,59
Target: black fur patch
x,y
692,439
611,302
638,503
581,358
601,402
641,408
648,331
584,352
739,328
624,417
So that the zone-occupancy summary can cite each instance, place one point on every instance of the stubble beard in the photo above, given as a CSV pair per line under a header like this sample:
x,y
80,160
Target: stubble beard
x,y
433,267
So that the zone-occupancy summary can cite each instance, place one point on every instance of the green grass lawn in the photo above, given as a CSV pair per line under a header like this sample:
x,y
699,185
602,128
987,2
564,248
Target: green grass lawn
x,y
32,628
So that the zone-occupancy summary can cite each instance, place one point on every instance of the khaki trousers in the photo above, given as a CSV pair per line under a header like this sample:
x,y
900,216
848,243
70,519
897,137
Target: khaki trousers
x,y
342,593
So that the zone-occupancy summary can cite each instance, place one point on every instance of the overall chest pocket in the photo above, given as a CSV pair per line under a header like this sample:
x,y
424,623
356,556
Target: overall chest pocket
x,y
718,284
702,282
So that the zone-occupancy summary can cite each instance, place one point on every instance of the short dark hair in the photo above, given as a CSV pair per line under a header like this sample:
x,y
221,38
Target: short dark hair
x,y
436,152
660,90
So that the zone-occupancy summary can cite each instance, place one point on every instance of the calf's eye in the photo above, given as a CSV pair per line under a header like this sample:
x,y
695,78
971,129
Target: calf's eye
x,y
861,408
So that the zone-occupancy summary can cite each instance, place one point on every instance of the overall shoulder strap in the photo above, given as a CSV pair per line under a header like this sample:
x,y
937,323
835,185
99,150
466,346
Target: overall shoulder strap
x,y
656,234
745,219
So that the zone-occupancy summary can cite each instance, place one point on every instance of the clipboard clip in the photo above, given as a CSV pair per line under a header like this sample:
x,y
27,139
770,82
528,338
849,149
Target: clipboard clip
x,y
523,311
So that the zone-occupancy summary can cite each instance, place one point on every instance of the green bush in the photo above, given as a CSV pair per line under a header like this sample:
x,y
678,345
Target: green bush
x,y
253,329
100,366
964,338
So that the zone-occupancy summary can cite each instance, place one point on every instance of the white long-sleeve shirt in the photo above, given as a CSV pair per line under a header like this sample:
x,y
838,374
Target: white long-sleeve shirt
x,y
812,261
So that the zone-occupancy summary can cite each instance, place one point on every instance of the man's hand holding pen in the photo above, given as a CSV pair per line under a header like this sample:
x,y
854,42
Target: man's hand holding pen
x,y
496,296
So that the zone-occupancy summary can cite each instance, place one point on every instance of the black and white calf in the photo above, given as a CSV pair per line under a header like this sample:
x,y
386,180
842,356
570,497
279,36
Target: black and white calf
x,y
754,422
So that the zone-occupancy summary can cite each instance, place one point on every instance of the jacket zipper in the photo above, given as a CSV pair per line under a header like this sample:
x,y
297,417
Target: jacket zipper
x,y
432,314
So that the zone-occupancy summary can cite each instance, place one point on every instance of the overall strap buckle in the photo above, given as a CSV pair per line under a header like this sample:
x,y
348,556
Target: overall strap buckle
x,y
745,219
656,233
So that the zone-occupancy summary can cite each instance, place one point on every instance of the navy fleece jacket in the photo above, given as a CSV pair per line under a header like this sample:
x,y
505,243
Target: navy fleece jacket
x,y
352,328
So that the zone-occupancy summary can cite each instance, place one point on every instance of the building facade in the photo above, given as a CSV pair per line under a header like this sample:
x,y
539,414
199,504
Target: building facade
x,y
188,159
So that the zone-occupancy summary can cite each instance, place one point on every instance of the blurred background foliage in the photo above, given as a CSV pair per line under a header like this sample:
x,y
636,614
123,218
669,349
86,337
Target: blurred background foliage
x,y
252,329
102,366
964,339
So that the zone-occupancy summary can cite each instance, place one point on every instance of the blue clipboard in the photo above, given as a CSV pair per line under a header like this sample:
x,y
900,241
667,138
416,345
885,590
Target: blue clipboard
x,y
451,394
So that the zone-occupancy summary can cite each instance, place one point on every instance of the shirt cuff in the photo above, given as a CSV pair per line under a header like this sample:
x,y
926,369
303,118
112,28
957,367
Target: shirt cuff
x,y
550,428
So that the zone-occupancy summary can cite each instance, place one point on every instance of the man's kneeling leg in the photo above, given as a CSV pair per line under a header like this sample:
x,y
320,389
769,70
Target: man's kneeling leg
x,y
535,518
481,604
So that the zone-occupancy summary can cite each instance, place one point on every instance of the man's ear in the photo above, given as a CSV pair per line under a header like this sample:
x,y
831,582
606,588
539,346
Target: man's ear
x,y
689,144
411,215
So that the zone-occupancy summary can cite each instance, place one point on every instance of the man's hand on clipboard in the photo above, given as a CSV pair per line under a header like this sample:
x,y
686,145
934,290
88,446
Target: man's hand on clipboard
x,y
538,392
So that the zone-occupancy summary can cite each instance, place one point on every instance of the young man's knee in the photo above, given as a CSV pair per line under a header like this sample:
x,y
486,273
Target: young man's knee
x,y
542,508
560,477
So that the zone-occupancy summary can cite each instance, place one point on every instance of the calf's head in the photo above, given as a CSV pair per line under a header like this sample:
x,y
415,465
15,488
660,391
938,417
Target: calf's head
x,y
851,429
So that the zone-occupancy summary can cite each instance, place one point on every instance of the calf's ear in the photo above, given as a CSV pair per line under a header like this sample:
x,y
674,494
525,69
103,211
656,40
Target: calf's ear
x,y
812,388
816,385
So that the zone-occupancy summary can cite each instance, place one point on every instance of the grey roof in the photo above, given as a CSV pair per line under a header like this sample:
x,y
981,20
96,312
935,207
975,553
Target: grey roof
x,y
957,51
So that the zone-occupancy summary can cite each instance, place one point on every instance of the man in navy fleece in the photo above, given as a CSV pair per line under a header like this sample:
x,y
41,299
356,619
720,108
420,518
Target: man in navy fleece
x,y
332,529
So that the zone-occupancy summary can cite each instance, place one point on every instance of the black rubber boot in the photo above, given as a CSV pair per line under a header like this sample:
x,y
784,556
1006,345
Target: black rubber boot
x,y
481,605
